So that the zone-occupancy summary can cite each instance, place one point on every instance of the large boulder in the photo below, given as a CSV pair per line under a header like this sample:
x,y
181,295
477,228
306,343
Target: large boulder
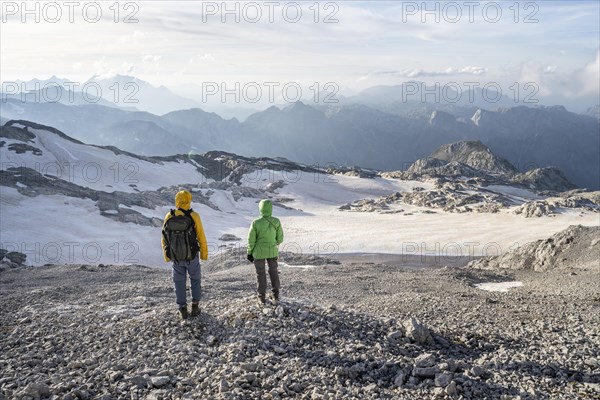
x,y
575,247
417,332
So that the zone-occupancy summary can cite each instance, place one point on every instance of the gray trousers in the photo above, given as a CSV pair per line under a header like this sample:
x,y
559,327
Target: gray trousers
x,y
262,276
180,271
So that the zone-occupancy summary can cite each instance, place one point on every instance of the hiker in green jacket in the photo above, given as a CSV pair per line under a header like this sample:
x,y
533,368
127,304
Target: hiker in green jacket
x,y
264,237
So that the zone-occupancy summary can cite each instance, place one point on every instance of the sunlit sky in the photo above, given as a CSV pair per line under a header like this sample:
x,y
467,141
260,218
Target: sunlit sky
x,y
554,43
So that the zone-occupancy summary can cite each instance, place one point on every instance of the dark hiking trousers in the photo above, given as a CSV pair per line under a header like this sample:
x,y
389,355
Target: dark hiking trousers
x,y
262,276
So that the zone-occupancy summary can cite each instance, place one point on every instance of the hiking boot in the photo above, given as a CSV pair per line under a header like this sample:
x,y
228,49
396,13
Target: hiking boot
x,y
195,310
261,298
275,296
184,312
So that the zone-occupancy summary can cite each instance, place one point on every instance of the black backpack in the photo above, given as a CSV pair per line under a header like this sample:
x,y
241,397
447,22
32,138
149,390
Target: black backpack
x,y
180,236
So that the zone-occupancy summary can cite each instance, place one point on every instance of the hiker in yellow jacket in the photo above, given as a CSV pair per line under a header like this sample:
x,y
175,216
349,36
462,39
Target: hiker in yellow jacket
x,y
182,239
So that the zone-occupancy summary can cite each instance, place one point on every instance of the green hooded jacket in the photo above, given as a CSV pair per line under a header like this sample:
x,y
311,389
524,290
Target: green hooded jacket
x,y
265,233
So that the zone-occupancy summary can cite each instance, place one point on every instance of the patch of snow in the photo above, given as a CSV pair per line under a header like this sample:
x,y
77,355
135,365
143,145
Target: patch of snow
x,y
67,151
284,265
514,191
65,309
498,286
123,309
98,168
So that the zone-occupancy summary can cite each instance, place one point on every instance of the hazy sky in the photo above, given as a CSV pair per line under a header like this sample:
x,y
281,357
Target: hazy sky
x,y
362,44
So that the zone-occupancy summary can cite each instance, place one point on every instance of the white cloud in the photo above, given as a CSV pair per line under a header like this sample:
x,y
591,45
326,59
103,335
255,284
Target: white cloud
x,y
469,70
134,38
204,58
366,47
102,69
151,58
576,83
127,68
589,77
421,73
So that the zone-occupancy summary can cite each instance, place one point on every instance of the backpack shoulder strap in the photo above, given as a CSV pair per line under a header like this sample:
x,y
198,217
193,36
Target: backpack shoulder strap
x,y
172,213
188,213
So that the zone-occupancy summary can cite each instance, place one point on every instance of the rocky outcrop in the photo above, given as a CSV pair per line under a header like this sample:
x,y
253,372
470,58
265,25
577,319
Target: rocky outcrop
x,y
589,201
576,247
468,160
380,205
21,148
11,259
352,171
581,201
475,155
436,168
537,208
228,237
545,179
21,130
449,196
473,160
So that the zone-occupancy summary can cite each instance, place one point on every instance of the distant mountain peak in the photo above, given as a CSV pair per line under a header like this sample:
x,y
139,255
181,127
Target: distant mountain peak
x,y
299,107
593,111
441,118
116,78
465,146
479,114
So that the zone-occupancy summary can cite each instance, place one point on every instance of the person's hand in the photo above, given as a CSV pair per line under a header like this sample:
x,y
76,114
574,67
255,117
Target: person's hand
x,y
250,258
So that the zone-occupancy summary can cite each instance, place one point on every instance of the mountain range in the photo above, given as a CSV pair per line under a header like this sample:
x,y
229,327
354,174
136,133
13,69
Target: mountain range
x,y
103,194
120,91
528,137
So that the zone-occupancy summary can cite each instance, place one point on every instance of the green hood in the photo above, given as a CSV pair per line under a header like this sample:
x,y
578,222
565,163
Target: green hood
x,y
266,208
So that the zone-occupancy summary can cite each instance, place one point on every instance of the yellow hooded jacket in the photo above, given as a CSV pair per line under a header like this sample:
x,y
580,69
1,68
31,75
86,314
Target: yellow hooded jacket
x,y
183,200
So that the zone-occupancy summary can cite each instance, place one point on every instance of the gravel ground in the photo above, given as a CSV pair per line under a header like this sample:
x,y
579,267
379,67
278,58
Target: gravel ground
x,y
340,332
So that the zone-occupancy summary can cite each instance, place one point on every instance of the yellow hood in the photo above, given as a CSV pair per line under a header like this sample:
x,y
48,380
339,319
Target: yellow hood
x,y
183,199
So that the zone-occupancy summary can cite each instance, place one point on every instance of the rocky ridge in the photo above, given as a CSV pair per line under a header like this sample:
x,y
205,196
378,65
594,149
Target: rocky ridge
x,y
448,196
577,247
472,160
224,171
465,176
573,200
475,155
